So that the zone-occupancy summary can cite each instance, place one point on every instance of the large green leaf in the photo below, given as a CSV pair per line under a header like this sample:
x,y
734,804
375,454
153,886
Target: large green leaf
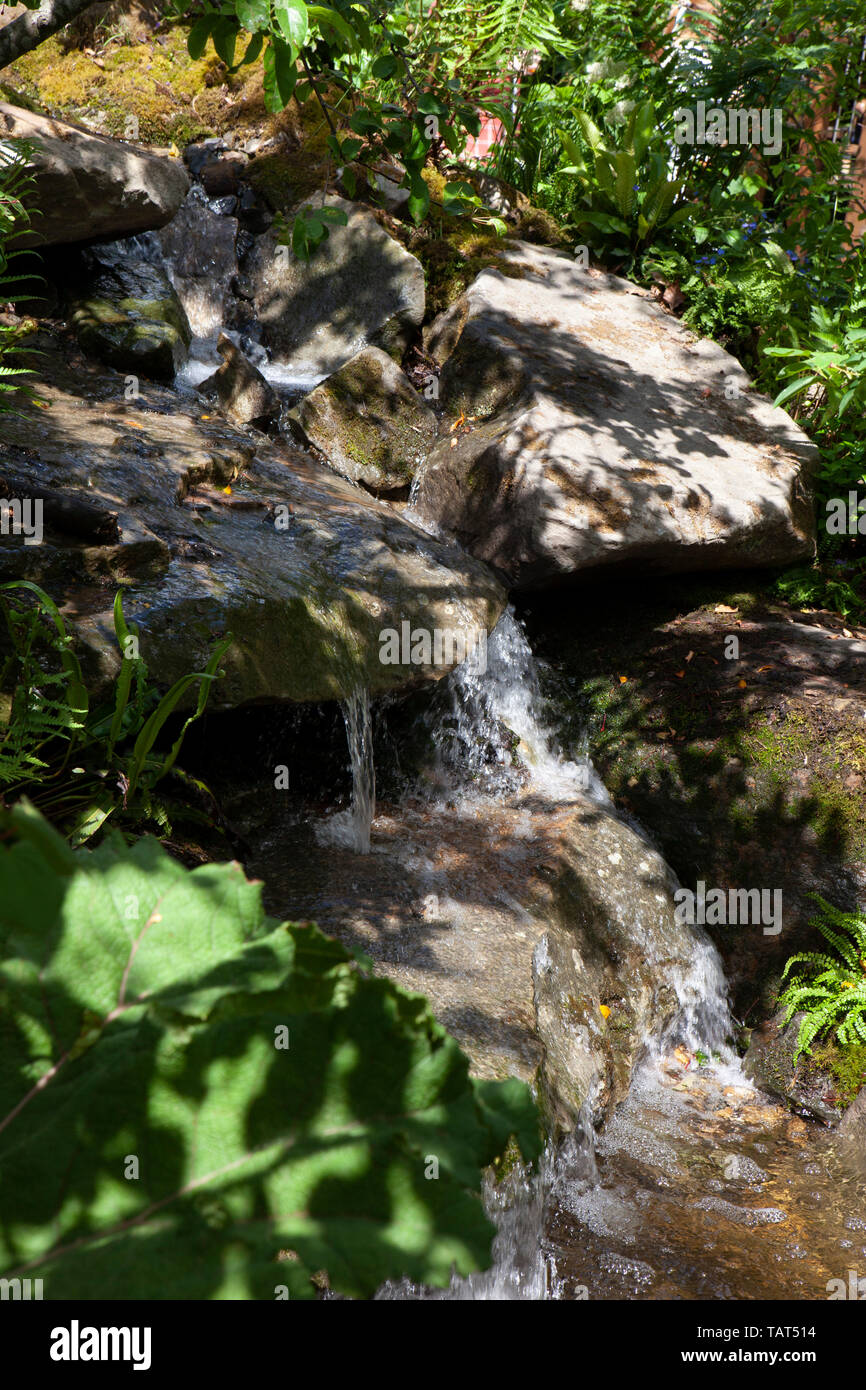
x,y
254,15
280,74
140,1005
292,21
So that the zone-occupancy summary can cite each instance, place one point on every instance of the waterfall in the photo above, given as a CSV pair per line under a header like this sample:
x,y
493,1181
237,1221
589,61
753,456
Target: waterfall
x,y
506,700
351,829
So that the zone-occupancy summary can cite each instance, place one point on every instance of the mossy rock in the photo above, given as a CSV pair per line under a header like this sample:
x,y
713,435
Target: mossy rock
x,y
369,422
134,335
152,91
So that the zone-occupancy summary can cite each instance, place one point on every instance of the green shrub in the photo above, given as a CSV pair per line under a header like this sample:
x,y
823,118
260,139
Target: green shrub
x,y
14,224
199,1102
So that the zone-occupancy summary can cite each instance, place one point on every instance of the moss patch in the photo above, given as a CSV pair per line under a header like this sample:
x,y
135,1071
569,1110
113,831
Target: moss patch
x,y
171,96
847,1066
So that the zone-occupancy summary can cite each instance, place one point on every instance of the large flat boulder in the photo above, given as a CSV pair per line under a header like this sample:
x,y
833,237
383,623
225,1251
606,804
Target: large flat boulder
x,y
599,431
360,287
90,187
210,530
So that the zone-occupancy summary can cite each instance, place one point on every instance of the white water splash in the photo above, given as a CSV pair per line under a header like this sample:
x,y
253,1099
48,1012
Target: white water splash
x,y
505,700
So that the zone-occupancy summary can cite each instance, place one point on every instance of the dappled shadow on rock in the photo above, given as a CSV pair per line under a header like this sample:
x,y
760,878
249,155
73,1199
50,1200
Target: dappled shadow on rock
x,y
747,769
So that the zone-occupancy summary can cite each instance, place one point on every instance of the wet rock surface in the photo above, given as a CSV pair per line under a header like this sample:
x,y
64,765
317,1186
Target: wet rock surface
x,y
702,1189
220,530
770,1062
541,933
89,187
602,432
243,392
125,311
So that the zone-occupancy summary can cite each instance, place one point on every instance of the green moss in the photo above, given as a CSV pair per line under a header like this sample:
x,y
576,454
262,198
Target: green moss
x,y
847,1065
171,96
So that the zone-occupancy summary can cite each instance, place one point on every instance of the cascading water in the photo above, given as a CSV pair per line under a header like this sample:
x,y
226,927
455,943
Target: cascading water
x,y
498,737
488,706
351,829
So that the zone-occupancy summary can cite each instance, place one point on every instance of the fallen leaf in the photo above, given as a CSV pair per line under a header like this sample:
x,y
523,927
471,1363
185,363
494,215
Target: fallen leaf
x,y
741,684
227,491
690,655
765,668
623,679
453,443
679,674
846,633
604,1010
723,608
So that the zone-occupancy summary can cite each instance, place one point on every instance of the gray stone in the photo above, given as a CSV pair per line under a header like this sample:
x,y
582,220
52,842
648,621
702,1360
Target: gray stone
x,y
244,394
770,1063
517,926
852,1135
126,312
369,422
600,433
89,187
359,287
612,942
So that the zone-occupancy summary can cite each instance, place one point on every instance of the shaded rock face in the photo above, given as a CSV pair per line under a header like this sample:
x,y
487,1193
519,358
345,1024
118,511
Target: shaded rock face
x,y
738,738
361,287
369,422
126,313
770,1063
515,923
603,434
243,393
216,533
89,187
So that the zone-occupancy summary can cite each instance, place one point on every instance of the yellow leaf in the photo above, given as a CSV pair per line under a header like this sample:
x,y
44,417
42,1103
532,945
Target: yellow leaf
x,y
227,491
741,684
604,1010
623,679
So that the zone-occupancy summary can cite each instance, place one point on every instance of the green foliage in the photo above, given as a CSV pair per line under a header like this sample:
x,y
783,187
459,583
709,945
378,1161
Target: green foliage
x,y
627,192
832,991
14,224
282,1105
823,374
390,81
82,765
